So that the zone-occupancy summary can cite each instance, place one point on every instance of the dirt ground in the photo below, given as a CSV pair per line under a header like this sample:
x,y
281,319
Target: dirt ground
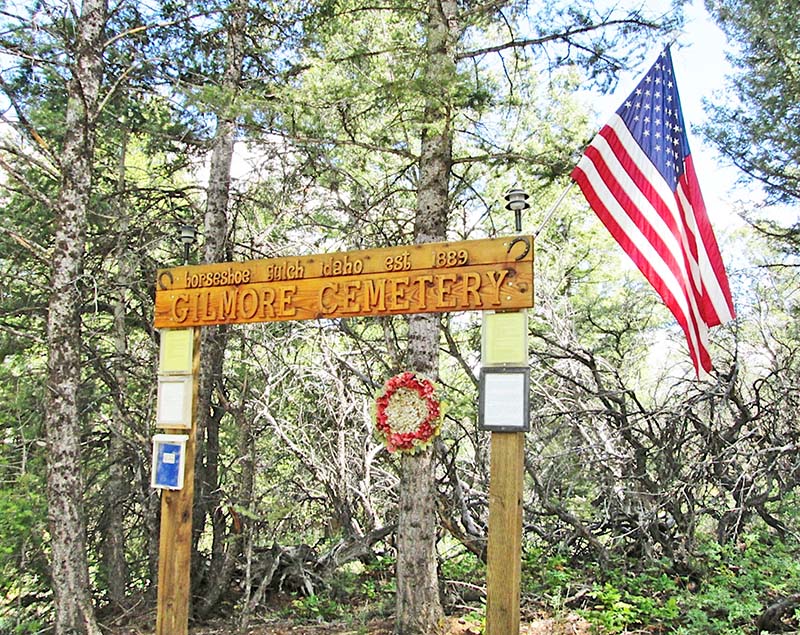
x,y
568,625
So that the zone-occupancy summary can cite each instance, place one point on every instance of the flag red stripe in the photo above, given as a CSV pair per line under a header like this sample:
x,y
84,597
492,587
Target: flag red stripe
x,y
685,318
717,301
684,269
674,255
676,236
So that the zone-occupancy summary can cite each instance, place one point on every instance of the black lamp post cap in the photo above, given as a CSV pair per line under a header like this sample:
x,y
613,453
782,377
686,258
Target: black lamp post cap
x,y
188,234
517,199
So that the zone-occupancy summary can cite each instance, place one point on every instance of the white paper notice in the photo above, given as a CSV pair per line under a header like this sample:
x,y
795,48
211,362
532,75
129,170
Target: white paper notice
x,y
504,400
174,402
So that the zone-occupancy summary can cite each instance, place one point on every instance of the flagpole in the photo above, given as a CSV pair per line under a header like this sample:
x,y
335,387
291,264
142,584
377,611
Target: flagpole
x,y
553,209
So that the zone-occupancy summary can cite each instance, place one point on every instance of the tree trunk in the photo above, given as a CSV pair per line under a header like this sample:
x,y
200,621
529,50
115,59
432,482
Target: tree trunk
x,y
419,609
118,485
214,339
230,545
70,574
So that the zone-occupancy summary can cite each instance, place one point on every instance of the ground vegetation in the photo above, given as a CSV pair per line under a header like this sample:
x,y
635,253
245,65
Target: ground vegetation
x,y
653,502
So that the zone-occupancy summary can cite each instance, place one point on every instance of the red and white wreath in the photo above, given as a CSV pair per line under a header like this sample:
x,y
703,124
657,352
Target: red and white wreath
x,y
407,414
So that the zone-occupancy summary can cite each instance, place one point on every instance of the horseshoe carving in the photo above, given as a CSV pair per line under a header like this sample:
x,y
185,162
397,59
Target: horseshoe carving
x,y
162,275
525,241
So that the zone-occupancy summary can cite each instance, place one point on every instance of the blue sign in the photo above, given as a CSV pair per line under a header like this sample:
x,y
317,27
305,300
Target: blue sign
x,y
169,458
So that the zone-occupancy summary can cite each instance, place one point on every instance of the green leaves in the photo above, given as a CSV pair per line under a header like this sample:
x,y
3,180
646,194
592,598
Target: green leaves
x,y
758,127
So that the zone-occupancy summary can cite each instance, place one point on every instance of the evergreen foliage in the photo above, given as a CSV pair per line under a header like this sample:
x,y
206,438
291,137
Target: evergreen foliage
x,y
757,129
650,500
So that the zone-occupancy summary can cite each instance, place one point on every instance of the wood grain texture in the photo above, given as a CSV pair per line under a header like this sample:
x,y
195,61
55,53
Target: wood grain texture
x,y
504,554
491,274
380,260
479,287
175,542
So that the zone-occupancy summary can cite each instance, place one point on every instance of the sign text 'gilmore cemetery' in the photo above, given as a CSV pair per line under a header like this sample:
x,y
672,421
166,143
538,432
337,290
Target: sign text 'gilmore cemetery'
x,y
489,274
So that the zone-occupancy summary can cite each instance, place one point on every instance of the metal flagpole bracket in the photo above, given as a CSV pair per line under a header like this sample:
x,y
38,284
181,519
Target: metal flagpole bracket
x,y
553,209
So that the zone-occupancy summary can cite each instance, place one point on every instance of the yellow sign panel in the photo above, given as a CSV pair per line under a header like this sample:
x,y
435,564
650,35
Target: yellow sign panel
x,y
176,351
505,339
434,277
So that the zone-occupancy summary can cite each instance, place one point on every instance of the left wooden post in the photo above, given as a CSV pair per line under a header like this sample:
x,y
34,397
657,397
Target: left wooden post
x,y
175,541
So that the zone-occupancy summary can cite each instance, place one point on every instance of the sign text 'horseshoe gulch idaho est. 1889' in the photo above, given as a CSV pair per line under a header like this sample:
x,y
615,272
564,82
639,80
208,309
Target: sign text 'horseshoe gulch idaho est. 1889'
x,y
490,274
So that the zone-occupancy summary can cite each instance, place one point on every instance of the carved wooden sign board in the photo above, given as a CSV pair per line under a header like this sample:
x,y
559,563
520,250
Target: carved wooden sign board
x,y
490,274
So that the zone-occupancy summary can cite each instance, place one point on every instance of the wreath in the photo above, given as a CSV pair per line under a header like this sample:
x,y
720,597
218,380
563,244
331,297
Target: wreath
x,y
407,415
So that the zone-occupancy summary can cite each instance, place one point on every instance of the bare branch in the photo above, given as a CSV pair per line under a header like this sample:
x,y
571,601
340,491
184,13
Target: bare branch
x,y
565,36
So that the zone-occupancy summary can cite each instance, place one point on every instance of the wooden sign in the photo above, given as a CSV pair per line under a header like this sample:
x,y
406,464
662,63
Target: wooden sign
x,y
486,274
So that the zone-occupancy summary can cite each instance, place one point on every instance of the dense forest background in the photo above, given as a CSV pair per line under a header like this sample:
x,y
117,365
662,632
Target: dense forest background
x,y
652,501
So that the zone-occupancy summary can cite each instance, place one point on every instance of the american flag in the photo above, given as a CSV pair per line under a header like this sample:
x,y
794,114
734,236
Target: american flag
x,y
639,178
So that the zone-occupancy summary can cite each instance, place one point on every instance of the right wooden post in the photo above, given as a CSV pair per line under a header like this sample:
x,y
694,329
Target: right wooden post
x,y
504,554
504,411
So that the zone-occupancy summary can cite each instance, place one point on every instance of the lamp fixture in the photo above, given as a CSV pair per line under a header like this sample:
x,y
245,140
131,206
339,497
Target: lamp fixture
x,y
517,200
188,236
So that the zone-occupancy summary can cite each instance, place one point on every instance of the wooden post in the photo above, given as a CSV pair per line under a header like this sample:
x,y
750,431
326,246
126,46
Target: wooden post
x,y
504,347
175,541
504,555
